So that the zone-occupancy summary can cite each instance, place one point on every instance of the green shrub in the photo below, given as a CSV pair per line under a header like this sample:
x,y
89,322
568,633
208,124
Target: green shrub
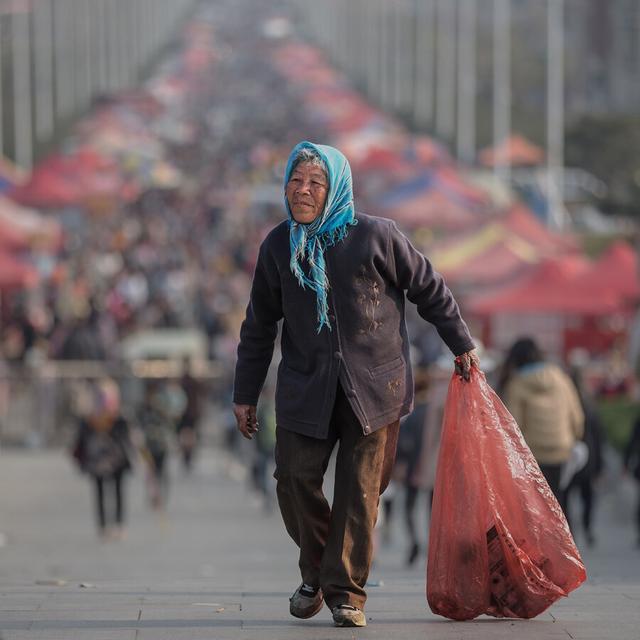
x,y
618,416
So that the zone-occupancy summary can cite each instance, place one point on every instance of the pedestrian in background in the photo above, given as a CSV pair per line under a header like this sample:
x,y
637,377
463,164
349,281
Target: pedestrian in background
x,y
187,429
102,449
157,418
546,406
262,463
632,465
584,481
410,444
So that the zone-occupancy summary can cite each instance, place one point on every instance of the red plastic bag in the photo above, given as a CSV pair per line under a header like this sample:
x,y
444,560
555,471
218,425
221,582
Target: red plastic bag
x,y
499,543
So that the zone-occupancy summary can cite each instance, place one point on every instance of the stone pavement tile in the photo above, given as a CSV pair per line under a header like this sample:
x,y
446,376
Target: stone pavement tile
x,y
213,625
191,634
188,598
315,629
407,627
404,628
605,629
20,602
65,634
191,612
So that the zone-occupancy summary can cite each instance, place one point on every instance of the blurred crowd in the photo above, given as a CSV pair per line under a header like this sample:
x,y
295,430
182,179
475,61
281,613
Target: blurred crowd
x,y
178,257
179,254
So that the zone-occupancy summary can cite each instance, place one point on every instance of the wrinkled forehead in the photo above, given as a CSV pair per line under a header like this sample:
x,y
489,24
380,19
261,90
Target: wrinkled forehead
x,y
309,167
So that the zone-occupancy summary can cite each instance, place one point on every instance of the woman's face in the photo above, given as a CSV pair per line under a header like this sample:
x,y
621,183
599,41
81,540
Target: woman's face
x,y
307,192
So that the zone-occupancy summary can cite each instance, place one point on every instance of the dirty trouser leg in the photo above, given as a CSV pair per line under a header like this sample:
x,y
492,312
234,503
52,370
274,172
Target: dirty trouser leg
x,y
301,463
363,471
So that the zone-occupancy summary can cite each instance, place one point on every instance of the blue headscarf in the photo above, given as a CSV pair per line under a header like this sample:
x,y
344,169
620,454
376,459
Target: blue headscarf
x,y
331,226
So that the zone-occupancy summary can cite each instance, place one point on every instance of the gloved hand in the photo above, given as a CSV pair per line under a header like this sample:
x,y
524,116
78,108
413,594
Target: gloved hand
x,y
464,362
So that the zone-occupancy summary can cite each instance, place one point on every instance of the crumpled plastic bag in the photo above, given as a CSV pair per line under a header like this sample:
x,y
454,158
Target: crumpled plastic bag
x,y
499,543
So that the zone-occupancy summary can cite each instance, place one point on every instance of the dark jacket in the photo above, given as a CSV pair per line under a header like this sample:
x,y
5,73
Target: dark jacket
x,y
103,453
631,457
367,349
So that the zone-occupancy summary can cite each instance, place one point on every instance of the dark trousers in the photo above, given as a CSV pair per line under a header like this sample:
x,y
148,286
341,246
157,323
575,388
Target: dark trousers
x,y
109,484
583,484
336,543
552,473
159,479
410,502
638,513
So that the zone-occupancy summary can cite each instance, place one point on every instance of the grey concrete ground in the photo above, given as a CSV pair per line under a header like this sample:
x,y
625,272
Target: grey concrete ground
x,y
215,567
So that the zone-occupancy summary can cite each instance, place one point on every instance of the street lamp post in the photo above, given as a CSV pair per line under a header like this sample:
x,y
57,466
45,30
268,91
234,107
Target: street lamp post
x,y
466,138
425,49
502,82
43,64
555,112
22,103
446,69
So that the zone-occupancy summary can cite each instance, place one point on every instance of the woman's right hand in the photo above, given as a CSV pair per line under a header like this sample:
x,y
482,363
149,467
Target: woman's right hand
x,y
246,418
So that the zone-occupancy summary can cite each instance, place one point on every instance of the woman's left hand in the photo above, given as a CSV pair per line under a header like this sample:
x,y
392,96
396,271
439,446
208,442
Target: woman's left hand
x,y
464,362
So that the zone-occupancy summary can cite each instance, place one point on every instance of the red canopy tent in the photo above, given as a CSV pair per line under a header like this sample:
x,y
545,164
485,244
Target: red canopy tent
x,y
499,263
521,221
48,188
427,152
22,228
451,181
434,210
548,287
515,150
69,180
15,274
616,271
547,304
381,159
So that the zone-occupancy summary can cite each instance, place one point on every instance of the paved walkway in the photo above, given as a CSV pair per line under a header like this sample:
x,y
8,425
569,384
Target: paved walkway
x,y
216,568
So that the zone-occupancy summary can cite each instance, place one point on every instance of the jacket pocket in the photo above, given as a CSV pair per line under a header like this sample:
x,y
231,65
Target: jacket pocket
x,y
386,387
386,367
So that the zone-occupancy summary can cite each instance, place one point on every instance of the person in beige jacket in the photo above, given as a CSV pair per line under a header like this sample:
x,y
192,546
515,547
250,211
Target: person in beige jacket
x,y
545,404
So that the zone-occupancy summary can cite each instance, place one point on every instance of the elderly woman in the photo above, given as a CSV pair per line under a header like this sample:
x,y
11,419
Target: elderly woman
x,y
338,279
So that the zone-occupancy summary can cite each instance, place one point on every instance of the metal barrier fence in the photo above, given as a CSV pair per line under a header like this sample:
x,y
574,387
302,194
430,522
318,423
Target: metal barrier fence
x,y
40,405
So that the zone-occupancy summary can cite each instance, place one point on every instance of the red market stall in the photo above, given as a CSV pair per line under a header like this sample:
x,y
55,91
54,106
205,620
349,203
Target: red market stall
x,y
547,304
434,199
496,262
616,271
69,180
48,188
515,151
24,229
520,220
499,251
16,274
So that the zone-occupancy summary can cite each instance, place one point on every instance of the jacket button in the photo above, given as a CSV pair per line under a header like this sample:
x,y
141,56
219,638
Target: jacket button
x,y
337,355
367,429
